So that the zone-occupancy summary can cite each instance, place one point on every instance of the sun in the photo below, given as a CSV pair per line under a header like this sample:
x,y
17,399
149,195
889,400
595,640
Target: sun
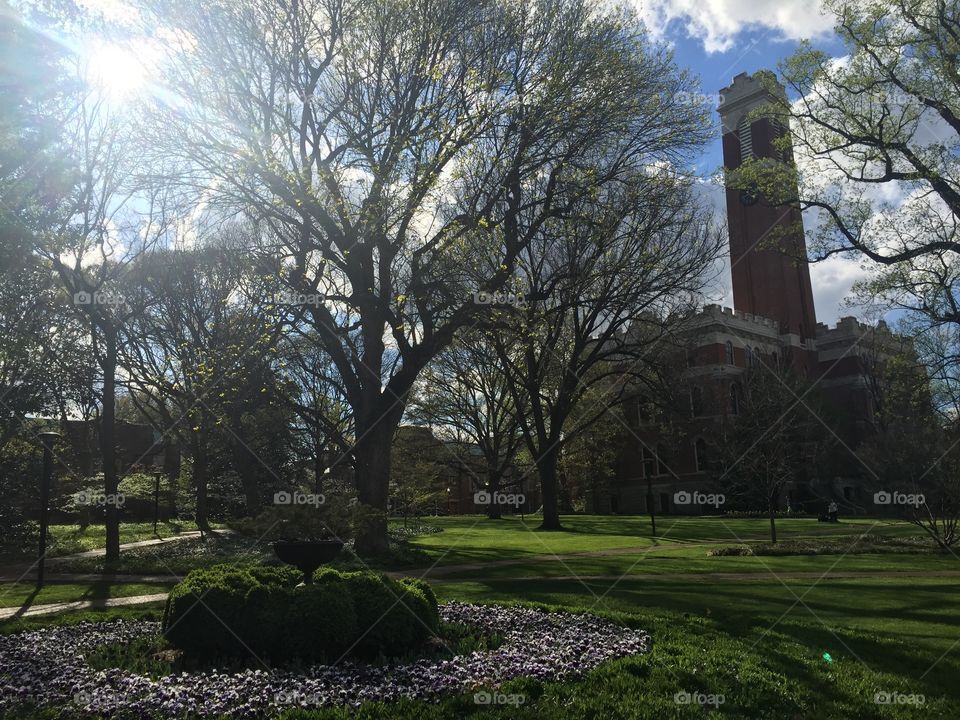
x,y
115,70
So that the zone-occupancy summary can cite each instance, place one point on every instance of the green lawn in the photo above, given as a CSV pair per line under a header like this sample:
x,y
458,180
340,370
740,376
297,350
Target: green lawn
x,y
477,539
69,539
773,646
20,593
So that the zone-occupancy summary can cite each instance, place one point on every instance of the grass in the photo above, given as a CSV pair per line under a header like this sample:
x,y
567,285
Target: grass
x,y
476,539
20,594
71,539
173,558
757,640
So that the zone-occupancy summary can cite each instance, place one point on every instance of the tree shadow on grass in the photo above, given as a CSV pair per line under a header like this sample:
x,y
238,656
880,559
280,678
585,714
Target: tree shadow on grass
x,y
26,605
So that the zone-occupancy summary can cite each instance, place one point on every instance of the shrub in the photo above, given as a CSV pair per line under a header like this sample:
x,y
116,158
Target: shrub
x,y
230,612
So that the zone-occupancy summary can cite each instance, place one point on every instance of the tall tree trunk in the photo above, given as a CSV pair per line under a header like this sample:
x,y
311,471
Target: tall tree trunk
x,y
249,477
200,480
547,469
108,445
773,524
493,486
372,453
651,509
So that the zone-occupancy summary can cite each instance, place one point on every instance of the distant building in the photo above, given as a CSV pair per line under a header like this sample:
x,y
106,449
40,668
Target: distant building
x,y
774,320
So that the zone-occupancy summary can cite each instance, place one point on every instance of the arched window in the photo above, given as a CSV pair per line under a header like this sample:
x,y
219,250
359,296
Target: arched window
x,y
734,399
728,352
696,401
748,356
700,454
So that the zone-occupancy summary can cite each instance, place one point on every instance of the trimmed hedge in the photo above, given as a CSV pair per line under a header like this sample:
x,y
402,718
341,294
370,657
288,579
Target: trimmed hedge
x,y
227,611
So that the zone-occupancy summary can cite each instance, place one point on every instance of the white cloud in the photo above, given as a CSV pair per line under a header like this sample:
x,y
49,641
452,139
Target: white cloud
x,y
717,23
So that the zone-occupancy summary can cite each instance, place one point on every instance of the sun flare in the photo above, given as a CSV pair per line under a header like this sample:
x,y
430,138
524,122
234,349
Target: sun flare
x,y
115,70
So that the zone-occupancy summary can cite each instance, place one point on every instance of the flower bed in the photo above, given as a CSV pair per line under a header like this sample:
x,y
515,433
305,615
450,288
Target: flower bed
x,y
47,668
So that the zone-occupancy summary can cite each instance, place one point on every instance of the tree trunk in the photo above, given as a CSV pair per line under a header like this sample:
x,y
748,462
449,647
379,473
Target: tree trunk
x,y
547,468
249,478
200,480
773,524
493,487
108,446
650,508
373,482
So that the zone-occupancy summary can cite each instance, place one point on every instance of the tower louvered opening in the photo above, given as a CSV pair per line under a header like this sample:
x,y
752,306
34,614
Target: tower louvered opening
x,y
746,141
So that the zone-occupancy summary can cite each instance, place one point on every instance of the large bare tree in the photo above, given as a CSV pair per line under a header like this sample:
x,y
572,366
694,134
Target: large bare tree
x,y
400,156
605,286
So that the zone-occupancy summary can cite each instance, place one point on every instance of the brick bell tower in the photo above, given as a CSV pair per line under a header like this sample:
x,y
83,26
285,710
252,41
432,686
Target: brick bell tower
x,y
770,281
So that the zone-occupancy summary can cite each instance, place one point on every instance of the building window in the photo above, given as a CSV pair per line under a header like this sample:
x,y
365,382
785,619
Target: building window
x,y
748,356
662,468
647,463
696,401
728,352
734,399
700,453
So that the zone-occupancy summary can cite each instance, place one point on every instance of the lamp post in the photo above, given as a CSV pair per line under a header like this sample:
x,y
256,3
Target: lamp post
x,y
653,514
47,439
156,499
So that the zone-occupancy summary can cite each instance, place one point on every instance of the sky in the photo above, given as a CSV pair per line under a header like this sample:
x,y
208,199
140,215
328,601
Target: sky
x,y
718,39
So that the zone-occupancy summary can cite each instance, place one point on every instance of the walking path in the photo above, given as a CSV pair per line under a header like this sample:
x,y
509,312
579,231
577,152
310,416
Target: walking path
x,y
21,571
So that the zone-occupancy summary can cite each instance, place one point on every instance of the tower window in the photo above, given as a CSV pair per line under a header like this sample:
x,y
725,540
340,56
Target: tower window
x,y
734,399
728,352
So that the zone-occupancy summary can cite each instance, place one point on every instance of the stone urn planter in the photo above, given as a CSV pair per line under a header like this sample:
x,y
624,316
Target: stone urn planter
x,y
307,555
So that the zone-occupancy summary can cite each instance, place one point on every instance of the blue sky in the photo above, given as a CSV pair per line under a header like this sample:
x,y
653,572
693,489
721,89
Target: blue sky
x,y
756,49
